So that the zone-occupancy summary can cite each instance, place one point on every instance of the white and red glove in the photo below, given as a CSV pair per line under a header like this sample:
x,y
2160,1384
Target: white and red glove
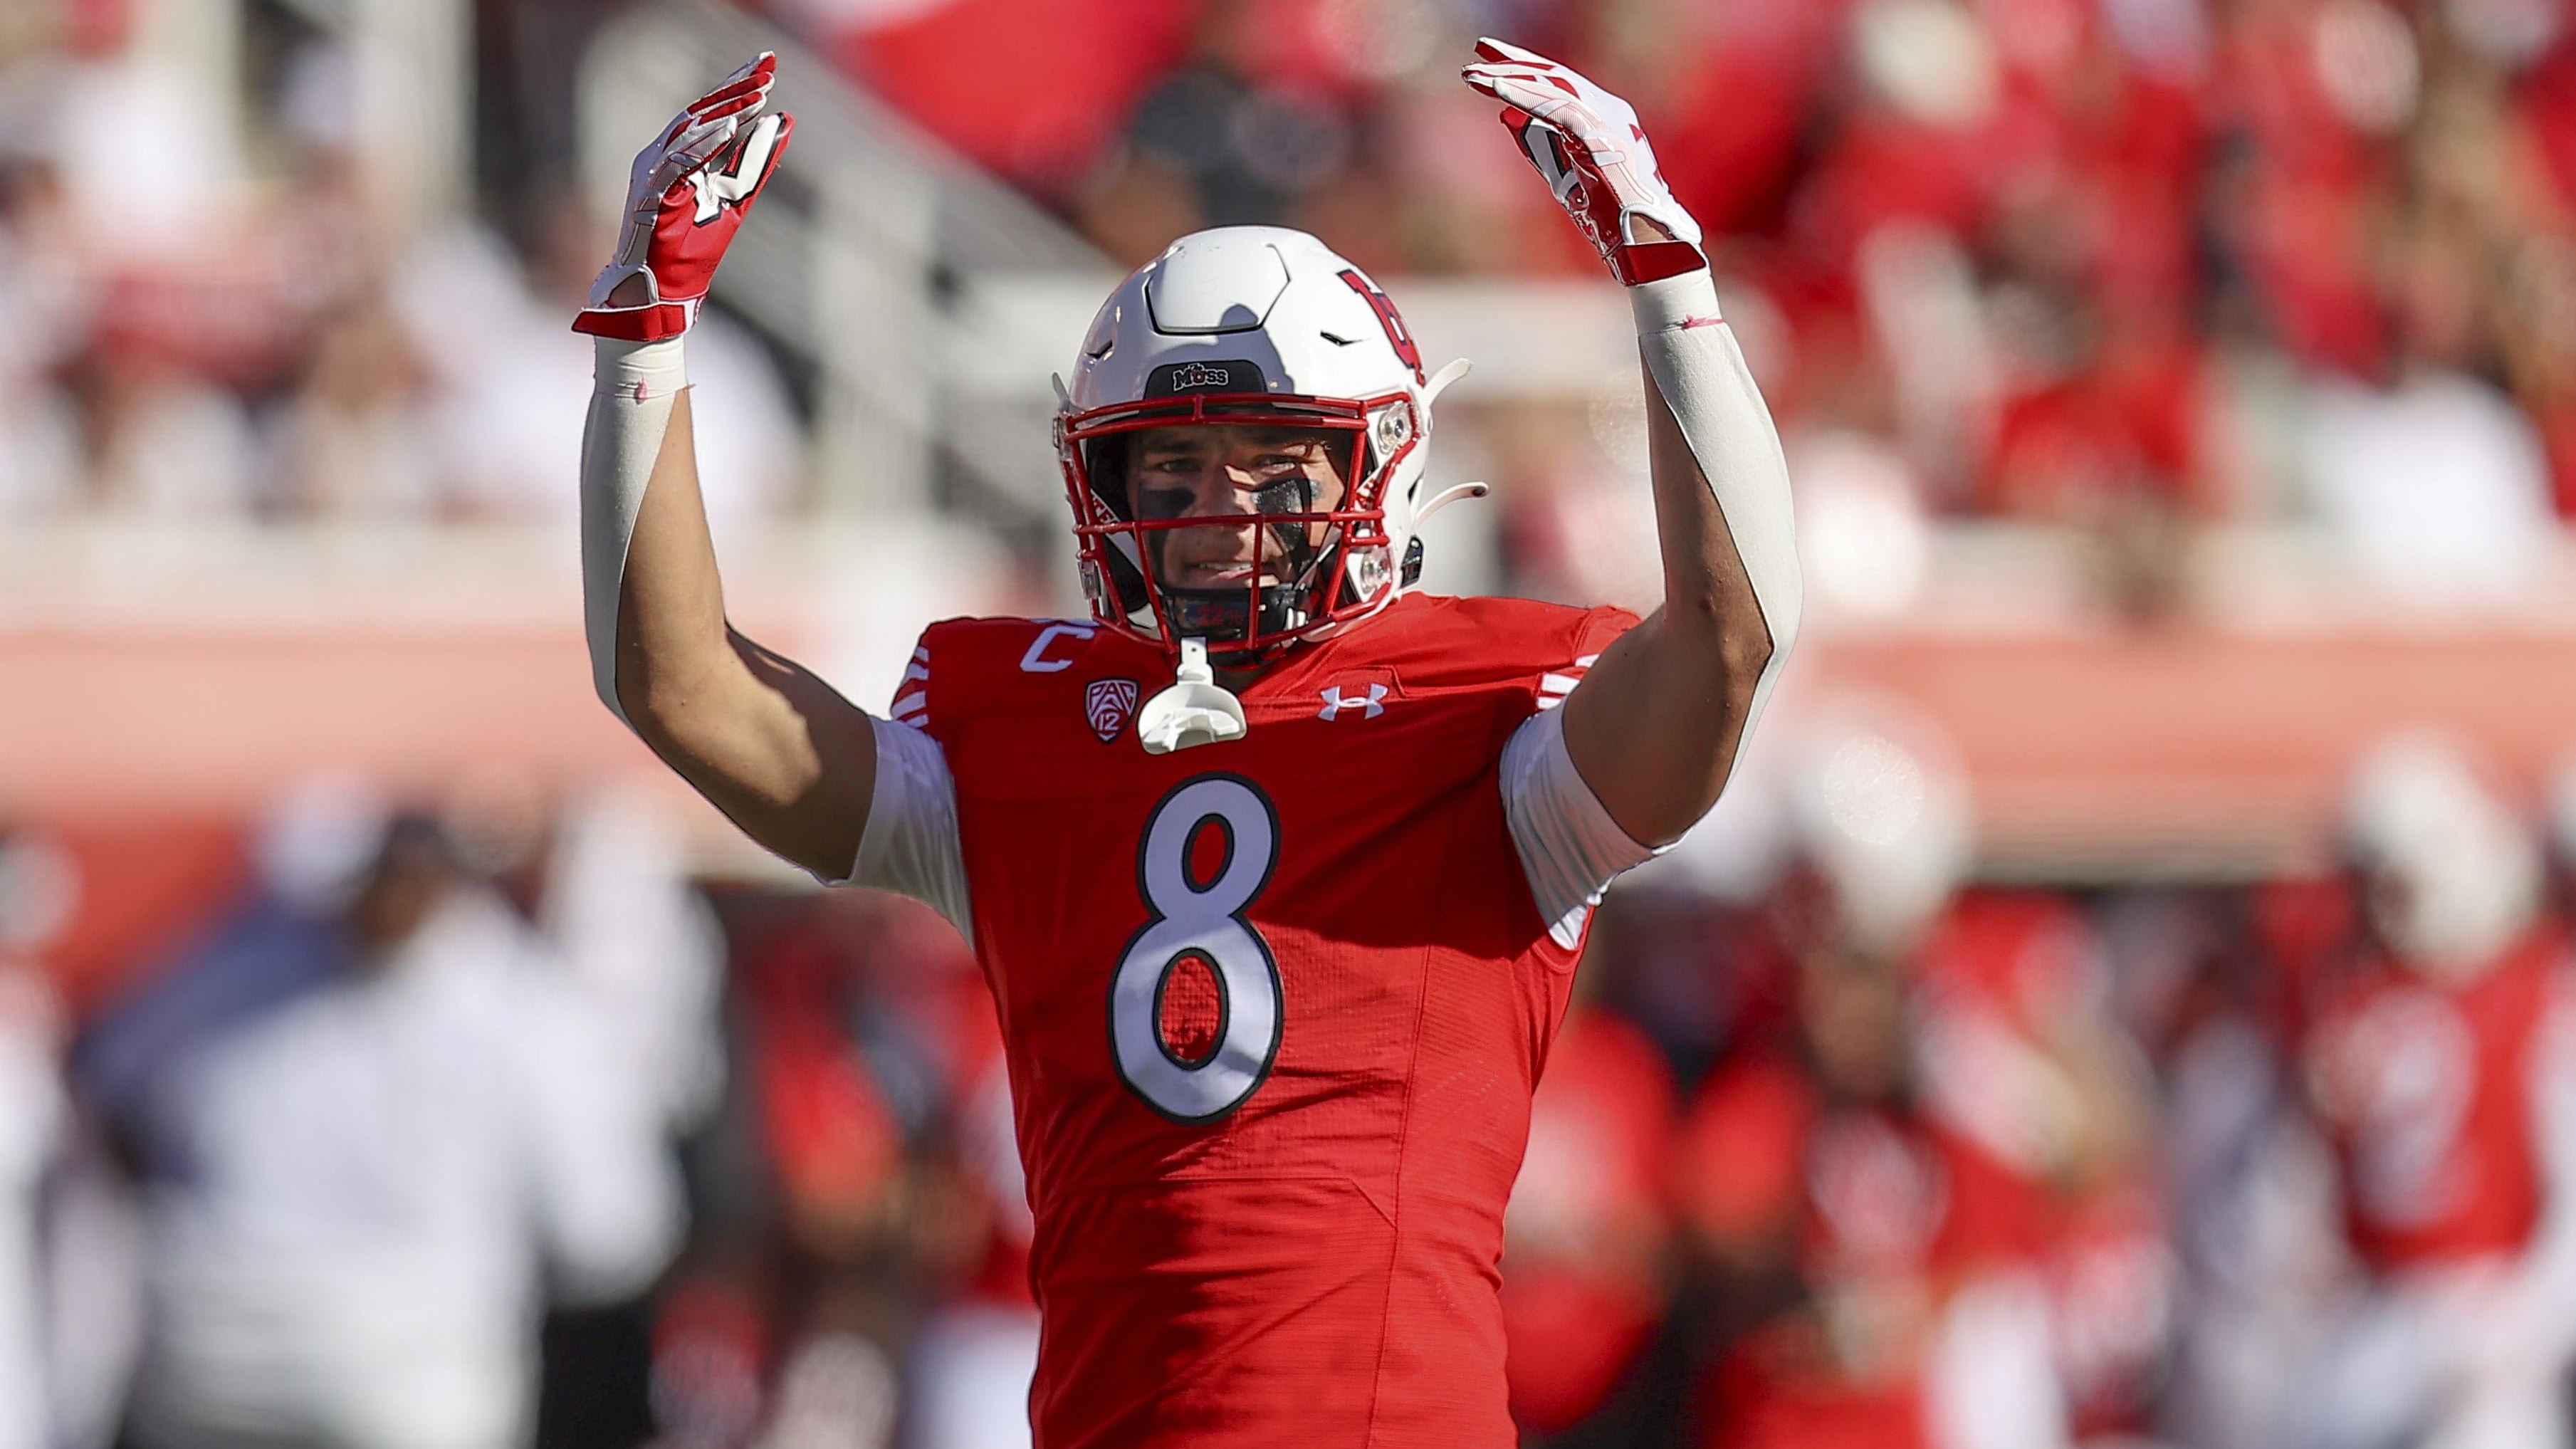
x,y
690,190
1587,145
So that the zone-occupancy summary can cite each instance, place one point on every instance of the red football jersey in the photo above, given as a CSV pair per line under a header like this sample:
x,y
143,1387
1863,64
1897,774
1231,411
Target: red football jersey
x,y
1273,1011
2426,1092
1885,1210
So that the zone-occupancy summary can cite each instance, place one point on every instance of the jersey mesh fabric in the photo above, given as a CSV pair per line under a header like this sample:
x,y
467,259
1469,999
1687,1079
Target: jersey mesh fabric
x,y
1316,1261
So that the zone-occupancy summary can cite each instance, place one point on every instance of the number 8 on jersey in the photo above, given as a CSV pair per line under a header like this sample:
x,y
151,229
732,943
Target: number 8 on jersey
x,y
1198,918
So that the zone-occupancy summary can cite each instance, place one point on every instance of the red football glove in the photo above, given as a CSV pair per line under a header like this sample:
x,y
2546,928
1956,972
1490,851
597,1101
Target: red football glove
x,y
1587,145
690,191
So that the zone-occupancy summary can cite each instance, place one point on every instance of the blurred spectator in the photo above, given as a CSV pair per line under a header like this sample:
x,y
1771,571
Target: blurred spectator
x,y
1586,1276
1240,139
973,1363
159,442
600,877
371,1140
2251,1180
2021,1056
31,1122
149,163
30,1117
2443,1070
513,383
40,468
1851,1230
2434,482
901,1218
2558,814
1031,89
1877,1247
356,440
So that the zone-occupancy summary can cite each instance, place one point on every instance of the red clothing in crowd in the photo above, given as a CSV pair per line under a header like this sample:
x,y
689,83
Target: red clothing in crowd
x,y
1582,1285
1882,1211
2426,1090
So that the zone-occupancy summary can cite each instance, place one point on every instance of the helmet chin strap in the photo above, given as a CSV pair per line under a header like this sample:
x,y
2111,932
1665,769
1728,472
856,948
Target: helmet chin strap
x,y
1195,711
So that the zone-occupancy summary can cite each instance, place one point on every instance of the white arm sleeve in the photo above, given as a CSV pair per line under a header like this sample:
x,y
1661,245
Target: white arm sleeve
x,y
1569,846
632,388
910,845
1702,376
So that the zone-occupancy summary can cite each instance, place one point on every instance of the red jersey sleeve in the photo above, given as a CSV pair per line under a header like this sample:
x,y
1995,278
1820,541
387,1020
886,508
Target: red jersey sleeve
x,y
1592,633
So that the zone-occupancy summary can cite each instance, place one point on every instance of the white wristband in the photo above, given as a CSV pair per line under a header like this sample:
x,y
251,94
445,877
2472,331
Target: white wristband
x,y
633,385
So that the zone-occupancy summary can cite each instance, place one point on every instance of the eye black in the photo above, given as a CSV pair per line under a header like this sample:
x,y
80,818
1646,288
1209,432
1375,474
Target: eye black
x,y
1163,502
1288,495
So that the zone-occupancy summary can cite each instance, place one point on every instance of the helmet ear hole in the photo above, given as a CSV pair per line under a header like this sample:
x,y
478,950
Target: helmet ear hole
x,y
1105,463
1126,582
1412,572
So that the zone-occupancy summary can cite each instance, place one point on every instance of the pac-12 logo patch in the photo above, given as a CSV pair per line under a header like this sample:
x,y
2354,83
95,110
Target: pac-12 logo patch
x,y
1108,704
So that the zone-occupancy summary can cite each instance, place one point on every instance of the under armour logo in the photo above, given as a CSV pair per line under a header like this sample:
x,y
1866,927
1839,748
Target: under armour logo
x,y
1192,375
1335,702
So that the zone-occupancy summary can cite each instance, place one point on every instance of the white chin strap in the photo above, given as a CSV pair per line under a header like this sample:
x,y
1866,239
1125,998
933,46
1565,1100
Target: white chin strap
x,y
1194,711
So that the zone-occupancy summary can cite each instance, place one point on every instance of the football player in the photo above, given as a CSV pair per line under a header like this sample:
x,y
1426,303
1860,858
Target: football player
x,y
2443,1073
1279,867
1877,1241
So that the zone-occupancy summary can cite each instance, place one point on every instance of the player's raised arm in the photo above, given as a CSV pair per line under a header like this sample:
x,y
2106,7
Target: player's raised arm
x,y
1655,726
778,751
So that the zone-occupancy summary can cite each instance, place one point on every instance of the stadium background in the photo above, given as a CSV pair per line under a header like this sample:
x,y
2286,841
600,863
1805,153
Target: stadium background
x,y
2181,397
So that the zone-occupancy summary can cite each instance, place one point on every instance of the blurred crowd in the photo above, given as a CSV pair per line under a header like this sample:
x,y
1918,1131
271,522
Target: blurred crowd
x,y
311,1172
2129,265
1850,1150
480,1124
211,309
2132,265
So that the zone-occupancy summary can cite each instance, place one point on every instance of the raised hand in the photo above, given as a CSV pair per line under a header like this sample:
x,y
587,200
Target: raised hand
x,y
689,192
1588,147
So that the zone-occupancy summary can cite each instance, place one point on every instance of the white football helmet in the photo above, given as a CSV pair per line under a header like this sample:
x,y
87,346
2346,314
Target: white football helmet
x,y
2455,873
1258,326
1881,806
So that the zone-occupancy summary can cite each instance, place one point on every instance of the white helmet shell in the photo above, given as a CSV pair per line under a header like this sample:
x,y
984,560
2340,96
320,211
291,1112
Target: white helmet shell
x,y
2457,874
1255,323
1880,804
